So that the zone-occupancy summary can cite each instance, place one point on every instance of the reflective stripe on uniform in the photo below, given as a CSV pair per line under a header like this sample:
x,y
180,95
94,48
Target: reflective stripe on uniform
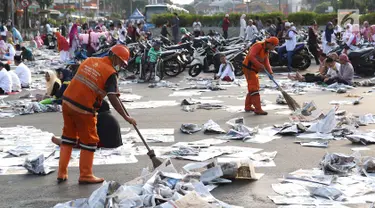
x,y
91,148
254,93
67,140
90,84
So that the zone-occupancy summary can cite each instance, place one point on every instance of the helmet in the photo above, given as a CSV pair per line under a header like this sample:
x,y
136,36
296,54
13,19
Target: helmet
x,y
273,40
183,30
121,51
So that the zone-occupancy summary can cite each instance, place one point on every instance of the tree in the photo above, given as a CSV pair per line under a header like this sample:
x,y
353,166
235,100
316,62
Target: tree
x,y
44,4
322,7
190,8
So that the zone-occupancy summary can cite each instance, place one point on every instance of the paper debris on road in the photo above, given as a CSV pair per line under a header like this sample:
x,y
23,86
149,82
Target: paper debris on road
x,y
336,163
290,189
200,143
320,144
151,135
212,128
36,165
238,168
151,104
129,97
185,93
190,128
346,102
363,138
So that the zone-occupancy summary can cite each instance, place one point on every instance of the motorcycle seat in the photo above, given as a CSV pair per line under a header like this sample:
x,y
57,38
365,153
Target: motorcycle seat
x,y
360,52
167,53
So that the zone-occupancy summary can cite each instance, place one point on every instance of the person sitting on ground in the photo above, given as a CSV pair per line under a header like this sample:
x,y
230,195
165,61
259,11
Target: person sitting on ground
x,y
27,54
5,81
65,76
333,71
346,72
108,128
16,83
226,70
52,83
23,72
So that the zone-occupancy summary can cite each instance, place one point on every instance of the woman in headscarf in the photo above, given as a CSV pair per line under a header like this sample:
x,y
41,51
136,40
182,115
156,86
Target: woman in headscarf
x,y
17,37
243,26
53,85
328,39
38,40
313,41
353,39
63,47
365,32
73,40
11,52
65,76
347,33
346,72
372,34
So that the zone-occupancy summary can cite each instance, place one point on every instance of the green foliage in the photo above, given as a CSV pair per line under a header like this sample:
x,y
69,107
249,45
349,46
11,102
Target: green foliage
x,y
323,19
186,20
302,18
370,17
44,4
322,7
90,14
52,22
115,16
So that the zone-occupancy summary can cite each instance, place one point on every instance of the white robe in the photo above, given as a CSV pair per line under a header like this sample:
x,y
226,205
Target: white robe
x,y
242,28
326,48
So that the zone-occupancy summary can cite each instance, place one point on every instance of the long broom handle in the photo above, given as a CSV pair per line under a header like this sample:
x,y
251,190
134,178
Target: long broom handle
x,y
271,78
136,128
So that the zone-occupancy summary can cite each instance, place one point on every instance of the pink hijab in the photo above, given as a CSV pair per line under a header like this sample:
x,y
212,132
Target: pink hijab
x,y
344,57
72,34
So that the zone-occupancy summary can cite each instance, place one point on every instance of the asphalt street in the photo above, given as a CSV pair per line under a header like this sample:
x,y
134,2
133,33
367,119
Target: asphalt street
x,y
42,191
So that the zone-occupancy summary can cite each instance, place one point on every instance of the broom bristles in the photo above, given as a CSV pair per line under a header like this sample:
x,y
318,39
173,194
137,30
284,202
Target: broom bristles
x,y
292,104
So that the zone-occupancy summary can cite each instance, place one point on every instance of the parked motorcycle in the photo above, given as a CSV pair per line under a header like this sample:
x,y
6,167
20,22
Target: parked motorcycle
x,y
363,61
301,57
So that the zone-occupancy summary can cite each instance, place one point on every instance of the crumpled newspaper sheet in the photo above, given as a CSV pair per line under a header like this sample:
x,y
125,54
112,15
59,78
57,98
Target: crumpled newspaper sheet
x,y
190,128
36,165
204,143
336,163
212,128
362,138
151,104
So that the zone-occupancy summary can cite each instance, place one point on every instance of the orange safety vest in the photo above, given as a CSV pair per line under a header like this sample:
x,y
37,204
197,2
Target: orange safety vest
x,y
251,58
87,89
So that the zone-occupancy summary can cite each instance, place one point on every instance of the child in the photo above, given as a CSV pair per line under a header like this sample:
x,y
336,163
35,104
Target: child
x,y
153,55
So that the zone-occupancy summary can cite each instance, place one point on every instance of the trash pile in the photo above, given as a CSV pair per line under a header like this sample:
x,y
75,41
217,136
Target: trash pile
x,y
340,180
165,187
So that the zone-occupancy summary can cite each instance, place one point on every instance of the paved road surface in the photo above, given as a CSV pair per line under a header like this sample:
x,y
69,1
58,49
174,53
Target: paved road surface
x,y
42,191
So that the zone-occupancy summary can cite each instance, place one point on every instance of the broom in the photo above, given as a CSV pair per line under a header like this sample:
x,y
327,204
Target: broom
x,y
293,105
155,161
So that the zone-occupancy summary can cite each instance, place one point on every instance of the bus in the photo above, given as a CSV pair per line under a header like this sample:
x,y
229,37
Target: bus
x,y
160,9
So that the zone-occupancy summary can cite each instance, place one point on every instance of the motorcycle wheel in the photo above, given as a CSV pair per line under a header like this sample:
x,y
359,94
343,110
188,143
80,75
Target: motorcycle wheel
x,y
301,62
195,70
172,68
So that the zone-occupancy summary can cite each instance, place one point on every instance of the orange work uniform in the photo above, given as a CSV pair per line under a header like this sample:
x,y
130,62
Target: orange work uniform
x,y
81,99
256,60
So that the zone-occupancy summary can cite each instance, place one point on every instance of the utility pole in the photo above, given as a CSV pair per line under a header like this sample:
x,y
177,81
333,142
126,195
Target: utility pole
x,y
12,10
97,11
